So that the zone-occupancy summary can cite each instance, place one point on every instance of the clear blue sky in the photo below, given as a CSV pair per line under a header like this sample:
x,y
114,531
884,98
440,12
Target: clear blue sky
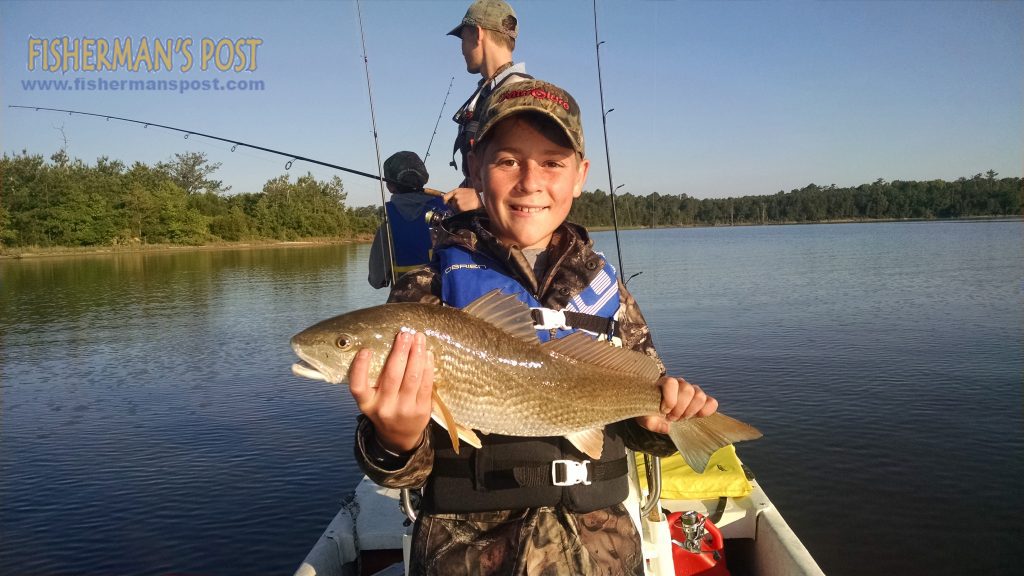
x,y
711,99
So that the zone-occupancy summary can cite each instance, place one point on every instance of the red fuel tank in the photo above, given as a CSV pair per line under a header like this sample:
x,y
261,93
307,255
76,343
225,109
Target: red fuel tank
x,y
697,545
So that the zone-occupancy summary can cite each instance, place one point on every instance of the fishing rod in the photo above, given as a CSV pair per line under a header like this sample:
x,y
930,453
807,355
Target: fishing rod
x,y
653,465
234,144
436,124
389,252
406,503
607,155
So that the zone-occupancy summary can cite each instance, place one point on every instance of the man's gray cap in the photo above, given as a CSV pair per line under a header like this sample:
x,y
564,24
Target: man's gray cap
x,y
494,15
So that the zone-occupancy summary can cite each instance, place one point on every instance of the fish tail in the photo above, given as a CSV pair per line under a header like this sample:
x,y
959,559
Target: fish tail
x,y
698,438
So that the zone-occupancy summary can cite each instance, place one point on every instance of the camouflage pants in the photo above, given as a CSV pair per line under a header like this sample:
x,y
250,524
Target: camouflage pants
x,y
533,541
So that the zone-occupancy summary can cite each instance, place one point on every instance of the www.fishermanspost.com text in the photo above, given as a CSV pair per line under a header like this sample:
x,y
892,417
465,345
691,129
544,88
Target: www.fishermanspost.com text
x,y
125,85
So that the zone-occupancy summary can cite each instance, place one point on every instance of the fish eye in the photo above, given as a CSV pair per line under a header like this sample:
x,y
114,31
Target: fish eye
x,y
344,342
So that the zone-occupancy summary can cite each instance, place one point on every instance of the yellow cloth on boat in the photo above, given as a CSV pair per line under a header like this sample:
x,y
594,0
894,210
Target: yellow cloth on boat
x,y
724,477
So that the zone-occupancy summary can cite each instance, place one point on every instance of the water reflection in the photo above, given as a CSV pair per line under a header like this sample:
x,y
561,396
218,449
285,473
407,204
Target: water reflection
x,y
147,402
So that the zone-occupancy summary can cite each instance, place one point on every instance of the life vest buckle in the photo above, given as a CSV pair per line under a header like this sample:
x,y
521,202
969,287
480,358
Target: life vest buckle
x,y
548,319
570,473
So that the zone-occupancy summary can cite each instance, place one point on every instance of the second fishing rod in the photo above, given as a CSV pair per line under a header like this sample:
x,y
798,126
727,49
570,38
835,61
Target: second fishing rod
x,y
234,144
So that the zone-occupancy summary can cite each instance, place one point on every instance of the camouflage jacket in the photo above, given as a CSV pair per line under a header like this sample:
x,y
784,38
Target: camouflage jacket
x,y
547,540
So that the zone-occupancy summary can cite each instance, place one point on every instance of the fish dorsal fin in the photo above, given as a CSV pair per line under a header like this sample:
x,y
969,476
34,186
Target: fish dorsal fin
x,y
590,442
505,312
580,346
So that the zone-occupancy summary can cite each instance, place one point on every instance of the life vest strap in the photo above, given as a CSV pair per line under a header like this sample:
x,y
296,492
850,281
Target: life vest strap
x,y
547,319
528,474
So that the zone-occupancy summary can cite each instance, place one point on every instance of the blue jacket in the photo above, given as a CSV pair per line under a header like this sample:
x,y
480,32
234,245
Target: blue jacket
x,y
410,237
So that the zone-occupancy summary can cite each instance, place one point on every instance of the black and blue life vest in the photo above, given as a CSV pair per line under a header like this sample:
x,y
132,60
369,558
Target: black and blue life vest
x,y
509,472
466,276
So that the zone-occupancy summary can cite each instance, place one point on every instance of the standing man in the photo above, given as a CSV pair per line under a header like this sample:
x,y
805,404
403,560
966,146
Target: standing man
x,y
410,236
488,32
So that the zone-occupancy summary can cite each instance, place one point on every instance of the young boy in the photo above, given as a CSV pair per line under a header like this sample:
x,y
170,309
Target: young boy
x,y
488,510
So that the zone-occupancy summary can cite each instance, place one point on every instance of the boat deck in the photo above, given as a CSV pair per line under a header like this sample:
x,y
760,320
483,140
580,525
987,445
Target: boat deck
x,y
370,526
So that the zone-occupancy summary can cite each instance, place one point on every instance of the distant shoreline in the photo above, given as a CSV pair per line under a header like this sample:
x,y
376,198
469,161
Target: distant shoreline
x,y
847,221
53,251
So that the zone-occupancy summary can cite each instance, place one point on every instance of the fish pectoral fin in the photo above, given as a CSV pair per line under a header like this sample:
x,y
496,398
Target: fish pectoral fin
x,y
698,438
443,416
590,442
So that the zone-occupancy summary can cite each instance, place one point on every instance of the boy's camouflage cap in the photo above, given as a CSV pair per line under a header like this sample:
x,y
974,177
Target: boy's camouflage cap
x,y
494,15
534,96
407,169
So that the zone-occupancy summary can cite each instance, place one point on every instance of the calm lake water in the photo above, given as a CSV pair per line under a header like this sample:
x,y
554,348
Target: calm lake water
x,y
150,423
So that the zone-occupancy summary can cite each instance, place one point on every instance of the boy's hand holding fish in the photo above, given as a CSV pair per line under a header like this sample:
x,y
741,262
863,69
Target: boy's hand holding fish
x,y
679,400
400,403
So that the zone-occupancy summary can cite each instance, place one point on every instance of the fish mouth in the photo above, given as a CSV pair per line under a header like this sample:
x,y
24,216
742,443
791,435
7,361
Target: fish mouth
x,y
308,367
304,370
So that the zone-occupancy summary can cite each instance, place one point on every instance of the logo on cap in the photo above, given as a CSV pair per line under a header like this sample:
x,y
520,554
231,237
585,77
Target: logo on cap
x,y
536,93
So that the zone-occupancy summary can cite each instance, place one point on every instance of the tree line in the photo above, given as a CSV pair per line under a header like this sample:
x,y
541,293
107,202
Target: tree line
x,y
979,196
65,202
